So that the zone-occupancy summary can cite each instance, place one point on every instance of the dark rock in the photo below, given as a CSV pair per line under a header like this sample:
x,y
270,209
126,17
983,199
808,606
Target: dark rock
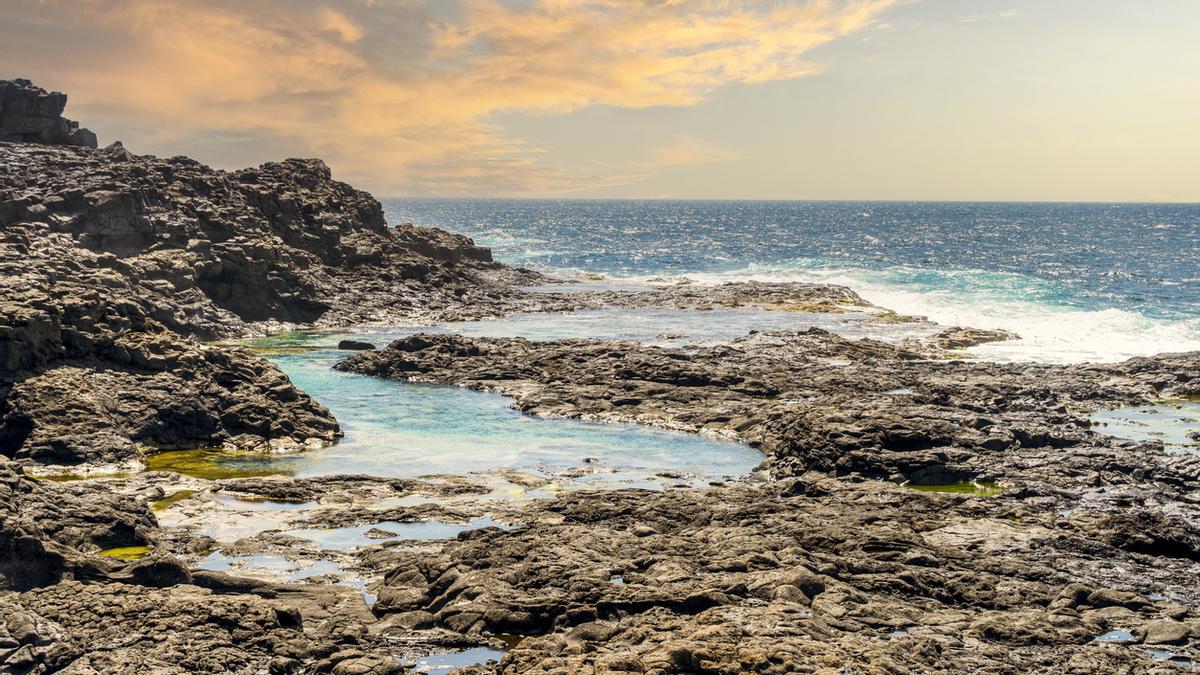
x,y
808,414
961,338
49,531
355,345
30,114
112,262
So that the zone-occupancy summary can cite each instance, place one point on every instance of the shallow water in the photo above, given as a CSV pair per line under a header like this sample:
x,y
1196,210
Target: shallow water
x,y
281,569
1115,636
1172,422
658,326
348,538
126,552
444,663
396,429
980,489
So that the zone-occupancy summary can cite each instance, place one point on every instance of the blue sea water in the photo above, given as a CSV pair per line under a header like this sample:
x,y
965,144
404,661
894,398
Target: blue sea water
x,y
1076,281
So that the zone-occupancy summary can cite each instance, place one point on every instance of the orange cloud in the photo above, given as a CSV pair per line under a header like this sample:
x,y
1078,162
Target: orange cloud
x,y
398,95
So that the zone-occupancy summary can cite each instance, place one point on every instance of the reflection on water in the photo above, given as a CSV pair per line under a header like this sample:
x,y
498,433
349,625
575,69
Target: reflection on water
x,y
1175,423
277,568
1115,636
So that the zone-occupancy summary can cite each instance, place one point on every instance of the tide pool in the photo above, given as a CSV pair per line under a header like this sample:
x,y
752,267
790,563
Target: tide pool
x,y
396,429
1175,423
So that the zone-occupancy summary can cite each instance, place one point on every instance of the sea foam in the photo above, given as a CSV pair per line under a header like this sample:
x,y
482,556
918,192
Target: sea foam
x,y
1051,329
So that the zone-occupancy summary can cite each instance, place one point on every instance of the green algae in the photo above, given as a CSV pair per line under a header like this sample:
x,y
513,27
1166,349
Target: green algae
x,y
210,464
127,552
980,489
71,477
160,505
298,342
893,318
281,351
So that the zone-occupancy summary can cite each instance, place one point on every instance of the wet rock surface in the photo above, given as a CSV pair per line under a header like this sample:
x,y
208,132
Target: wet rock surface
x,y
803,575
805,570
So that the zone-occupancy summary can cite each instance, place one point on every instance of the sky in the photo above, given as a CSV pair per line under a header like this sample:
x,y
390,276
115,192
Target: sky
x,y
1015,100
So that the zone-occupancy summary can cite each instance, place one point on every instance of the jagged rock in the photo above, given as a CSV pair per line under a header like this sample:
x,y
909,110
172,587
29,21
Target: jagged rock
x,y
128,629
30,114
49,531
736,580
110,262
211,253
961,338
90,374
809,571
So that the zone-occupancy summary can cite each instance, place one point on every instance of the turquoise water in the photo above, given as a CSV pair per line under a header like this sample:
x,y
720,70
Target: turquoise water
x,y
282,569
396,429
1098,282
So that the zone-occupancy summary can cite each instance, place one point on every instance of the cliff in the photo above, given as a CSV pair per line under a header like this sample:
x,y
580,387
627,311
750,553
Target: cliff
x,y
110,262
32,115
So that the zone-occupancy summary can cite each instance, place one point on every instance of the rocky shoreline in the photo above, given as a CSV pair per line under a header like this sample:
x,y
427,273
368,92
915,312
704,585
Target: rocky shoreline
x,y
1032,544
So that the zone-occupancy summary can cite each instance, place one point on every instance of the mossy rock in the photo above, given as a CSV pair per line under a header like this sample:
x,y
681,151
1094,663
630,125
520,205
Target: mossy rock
x,y
209,464
126,552
160,505
980,489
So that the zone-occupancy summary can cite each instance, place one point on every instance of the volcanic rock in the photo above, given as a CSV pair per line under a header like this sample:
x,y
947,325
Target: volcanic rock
x,y
30,114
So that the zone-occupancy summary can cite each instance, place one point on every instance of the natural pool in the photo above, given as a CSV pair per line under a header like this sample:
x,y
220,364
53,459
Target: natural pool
x,y
347,538
396,429
1175,423
444,662
277,568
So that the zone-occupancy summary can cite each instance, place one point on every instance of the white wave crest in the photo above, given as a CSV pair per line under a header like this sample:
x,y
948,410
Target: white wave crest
x,y
1051,330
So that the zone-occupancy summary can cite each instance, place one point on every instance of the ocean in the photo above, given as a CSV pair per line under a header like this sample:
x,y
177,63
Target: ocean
x,y
1077,282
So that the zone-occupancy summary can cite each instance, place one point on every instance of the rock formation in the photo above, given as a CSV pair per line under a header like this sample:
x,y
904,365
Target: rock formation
x,y
30,114
112,267
1051,536
111,261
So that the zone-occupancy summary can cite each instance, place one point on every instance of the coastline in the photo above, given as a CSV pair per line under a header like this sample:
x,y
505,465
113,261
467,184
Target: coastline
x,y
117,264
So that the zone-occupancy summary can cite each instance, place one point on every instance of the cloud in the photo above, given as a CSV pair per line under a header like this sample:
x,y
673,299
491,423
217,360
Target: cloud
x,y
399,95
988,18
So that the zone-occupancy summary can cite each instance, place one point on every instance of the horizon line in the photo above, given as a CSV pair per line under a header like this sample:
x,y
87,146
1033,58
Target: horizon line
x,y
797,200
